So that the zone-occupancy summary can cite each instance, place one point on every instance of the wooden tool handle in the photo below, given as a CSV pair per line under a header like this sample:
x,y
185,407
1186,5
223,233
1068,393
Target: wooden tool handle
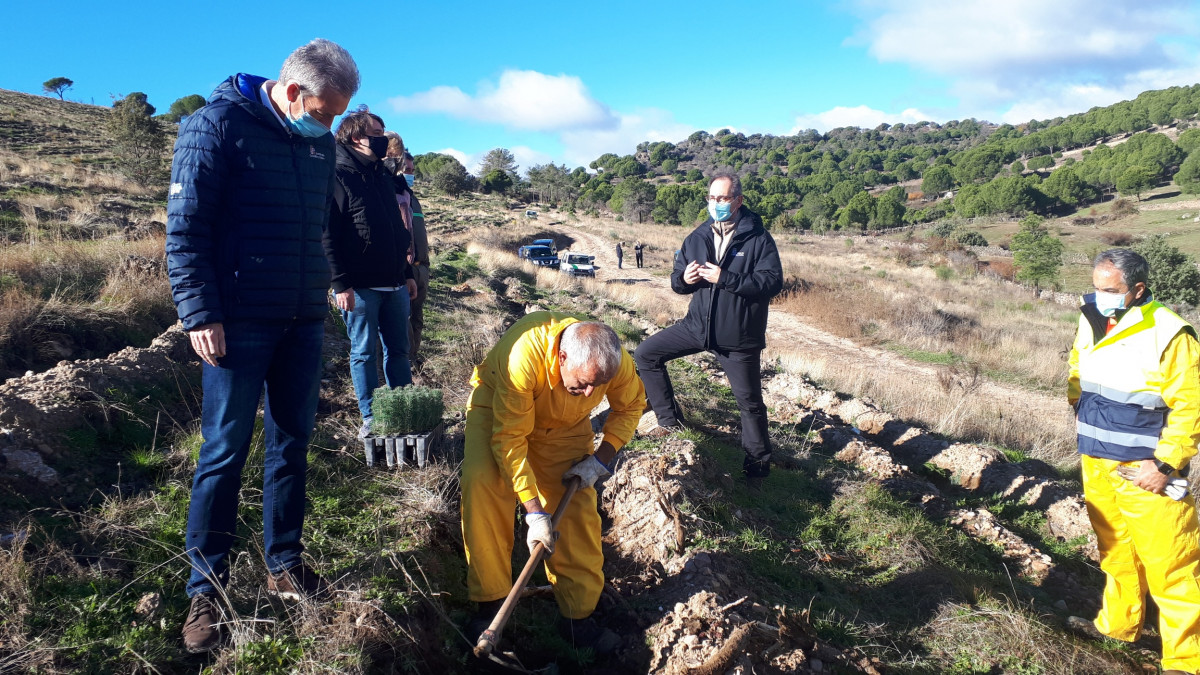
x,y
489,638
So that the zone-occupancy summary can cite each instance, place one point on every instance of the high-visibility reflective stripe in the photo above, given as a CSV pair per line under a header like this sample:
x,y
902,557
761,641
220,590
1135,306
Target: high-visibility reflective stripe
x,y
1116,437
1145,399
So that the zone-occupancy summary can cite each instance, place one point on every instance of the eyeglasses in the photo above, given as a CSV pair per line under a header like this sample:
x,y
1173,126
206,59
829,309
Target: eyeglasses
x,y
721,199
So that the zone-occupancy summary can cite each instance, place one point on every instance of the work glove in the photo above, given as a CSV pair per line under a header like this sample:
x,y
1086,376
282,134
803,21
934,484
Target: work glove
x,y
589,470
540,529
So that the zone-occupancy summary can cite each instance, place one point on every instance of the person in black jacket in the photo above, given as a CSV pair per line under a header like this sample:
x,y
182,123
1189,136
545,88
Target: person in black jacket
x,y
251,180
367,244
730,267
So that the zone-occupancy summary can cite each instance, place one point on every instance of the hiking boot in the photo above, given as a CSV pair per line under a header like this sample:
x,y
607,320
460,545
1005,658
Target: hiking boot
x,y
1085,628
754,484
587,634
662,432
298,582
202,628
365,430
482,618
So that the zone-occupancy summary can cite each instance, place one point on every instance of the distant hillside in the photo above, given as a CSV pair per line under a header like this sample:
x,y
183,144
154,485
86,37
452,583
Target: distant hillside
x,y
47,127
850,178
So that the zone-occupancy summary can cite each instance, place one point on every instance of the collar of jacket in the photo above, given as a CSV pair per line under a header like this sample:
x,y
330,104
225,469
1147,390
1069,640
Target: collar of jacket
x,y
1099,322
354,161
242,90
748,223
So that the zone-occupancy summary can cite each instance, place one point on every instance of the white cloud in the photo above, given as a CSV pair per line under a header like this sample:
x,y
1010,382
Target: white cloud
x,y
1061,99
858,116
469,161
526,157
649,124
522,99
1024,39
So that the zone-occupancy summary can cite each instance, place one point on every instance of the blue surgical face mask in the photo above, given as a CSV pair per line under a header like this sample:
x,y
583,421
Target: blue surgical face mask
x,y
720,212
306,124
410,179
1109,303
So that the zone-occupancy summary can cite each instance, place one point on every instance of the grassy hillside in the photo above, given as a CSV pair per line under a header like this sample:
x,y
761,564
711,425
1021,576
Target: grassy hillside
x,y
876,546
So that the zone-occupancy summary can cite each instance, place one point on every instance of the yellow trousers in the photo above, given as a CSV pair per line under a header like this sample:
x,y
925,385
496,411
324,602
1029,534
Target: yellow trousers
x,y
1147,542
488,508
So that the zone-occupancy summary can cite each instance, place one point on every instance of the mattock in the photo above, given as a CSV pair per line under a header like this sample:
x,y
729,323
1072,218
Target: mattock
x,y
489,638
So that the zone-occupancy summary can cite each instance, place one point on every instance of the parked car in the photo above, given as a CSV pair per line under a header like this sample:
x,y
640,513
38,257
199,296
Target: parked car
x,y
578,265
548,243
541,256
530,213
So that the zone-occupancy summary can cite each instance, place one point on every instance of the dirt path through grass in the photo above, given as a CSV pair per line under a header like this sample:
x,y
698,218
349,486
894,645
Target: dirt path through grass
x,y
878,373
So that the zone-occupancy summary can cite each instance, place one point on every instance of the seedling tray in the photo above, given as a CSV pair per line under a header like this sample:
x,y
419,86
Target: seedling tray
x,y
397,452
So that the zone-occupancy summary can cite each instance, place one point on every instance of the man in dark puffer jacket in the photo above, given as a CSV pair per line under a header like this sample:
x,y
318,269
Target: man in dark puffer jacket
x,y
250,187
367,244
730,266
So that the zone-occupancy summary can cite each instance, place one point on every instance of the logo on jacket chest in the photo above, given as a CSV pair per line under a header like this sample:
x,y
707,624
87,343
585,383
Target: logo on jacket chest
x,y
314,153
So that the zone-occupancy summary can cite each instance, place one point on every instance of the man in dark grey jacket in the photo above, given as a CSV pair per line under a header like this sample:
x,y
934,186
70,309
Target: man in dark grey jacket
x,y
251,181
730,266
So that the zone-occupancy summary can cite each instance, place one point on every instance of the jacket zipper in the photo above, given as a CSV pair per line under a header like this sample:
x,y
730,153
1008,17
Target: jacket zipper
x,y
303,231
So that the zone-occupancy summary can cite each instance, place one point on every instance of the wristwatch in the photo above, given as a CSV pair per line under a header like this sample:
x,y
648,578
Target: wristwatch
x,y
1164,468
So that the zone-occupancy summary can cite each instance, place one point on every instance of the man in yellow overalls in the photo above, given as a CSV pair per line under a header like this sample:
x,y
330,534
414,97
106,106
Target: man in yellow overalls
x,y
528,430
1135,384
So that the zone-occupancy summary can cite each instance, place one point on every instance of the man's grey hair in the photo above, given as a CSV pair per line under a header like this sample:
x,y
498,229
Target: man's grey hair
x,y
593,343
735,183
321,66
1133,267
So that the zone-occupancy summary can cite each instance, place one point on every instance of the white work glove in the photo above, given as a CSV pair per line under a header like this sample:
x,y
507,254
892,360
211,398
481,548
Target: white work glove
x,y
589,470
540,529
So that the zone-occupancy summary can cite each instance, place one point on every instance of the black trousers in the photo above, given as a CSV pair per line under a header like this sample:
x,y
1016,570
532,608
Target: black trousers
x,y
744,370
638,255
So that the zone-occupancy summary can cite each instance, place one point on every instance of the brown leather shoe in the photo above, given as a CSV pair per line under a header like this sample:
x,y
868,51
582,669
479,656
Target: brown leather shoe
x,y
202,629
298,582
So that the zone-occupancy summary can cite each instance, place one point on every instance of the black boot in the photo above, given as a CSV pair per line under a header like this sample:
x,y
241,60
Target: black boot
x,y
482,618
587,634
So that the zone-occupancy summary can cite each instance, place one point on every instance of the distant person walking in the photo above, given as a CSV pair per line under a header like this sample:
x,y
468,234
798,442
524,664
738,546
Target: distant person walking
x,y
250,183
637,253
1134,381
620,254
730,266
368,247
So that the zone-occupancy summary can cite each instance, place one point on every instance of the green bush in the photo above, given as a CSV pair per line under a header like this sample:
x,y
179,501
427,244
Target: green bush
x,y
406,410
969,238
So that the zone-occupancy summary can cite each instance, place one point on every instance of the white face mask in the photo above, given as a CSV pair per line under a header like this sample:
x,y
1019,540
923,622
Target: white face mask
x,y
1109,303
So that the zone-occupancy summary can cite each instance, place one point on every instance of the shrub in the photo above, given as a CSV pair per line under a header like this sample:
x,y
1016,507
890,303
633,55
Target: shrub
x,y
944,229
406,410
968,238
1000,267
1173,274
1123,207
138,139
1116,238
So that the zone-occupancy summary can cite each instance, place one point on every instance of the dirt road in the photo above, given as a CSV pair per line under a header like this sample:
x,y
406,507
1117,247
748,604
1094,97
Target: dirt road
x,y
816,350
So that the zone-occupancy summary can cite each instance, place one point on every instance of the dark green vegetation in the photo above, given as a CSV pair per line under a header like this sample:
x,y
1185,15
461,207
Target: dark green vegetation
x,y
406,410
892,175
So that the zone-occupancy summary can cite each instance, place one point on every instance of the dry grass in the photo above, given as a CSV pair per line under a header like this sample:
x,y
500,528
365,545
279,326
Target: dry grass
x,y
996,636
868,296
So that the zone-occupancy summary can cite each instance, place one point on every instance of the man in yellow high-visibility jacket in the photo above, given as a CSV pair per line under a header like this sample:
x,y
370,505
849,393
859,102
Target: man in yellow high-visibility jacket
x,y
1135,383
528,430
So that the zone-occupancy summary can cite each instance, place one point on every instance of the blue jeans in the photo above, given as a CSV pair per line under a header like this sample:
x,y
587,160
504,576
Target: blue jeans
x,y
378,316
286,355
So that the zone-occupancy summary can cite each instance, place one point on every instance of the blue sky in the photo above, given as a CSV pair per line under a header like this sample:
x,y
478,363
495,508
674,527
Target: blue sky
x,y
568,81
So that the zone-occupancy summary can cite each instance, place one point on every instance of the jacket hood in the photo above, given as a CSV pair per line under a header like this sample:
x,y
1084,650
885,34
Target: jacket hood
x,y
242,90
